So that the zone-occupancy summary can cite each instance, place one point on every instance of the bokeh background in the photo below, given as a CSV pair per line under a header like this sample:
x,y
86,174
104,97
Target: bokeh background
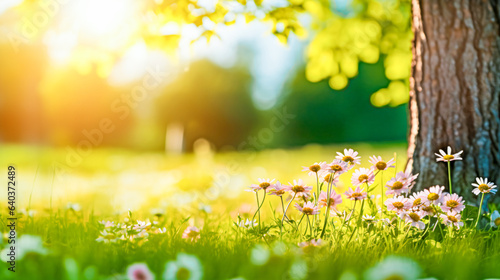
x,y
101,90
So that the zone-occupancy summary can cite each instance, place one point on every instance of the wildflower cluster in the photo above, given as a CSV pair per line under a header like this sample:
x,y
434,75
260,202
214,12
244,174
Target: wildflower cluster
x,y
128,231
412,208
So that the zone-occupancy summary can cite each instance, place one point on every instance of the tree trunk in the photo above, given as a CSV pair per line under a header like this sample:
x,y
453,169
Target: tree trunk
x,y
455,90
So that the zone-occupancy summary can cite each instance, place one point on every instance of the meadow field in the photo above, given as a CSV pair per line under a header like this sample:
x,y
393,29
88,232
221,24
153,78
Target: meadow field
x,y
132,215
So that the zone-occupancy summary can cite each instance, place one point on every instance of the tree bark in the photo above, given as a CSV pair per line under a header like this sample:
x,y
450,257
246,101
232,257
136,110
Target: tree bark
x,y
455,90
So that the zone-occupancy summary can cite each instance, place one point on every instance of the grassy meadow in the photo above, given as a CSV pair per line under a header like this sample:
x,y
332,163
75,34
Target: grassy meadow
x,y
66,214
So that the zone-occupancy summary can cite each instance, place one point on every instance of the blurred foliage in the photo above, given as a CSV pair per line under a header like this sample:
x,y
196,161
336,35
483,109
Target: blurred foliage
x,y
374,30
324,115
380,29
209,102
364,31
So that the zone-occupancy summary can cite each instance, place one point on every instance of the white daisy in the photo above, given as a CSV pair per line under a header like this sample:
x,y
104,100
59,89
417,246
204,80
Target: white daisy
x,y
349,156
483,186
379,164
447,157
433,195
414,218
362,176
452,218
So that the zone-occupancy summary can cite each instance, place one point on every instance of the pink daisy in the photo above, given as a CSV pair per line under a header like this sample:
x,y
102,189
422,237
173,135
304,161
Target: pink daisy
x,y
398,204
298,188
356,194
349,156
362,176
328,177
407,177
428,208
414,218
336,166
277,189
397,186
379,164
483,186
416,200
191,233
433,195
453,202
309,208
313,169
452,218
263,184
448,156
335,199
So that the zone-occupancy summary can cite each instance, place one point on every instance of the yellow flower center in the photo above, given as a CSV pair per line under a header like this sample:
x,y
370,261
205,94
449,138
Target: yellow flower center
x,y
328,177
497,222
417,202
362,178
264,185
307,210
298,188
451,203
193,234
331,202
398,205
356,195
483,187
397,185
433,196
314,168
448,157
280,192
414,216
453,219
336,167
429,209
381,165
183,274
348,159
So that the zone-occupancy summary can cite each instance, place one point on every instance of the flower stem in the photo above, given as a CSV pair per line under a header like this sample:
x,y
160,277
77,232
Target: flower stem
x,y
361,212
449,178
352,212
327,204
300,221
382,186
317,188
310,227
479,210
286,209
258,210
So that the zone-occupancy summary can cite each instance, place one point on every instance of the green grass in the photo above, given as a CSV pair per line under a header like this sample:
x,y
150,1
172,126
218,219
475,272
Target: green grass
x,y
108,181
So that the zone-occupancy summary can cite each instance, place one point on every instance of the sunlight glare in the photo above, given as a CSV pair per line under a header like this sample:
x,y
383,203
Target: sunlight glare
x,y
99,18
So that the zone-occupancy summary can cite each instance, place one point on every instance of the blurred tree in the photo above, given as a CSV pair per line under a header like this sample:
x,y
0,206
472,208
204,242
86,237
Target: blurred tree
x,y
209,102
75,105
21,117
